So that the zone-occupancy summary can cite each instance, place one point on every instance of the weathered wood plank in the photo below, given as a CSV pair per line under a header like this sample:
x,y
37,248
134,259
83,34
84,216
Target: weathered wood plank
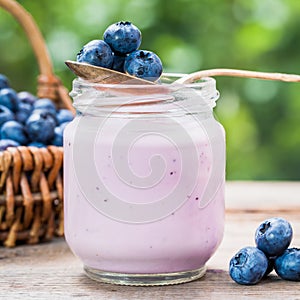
x,y
51,271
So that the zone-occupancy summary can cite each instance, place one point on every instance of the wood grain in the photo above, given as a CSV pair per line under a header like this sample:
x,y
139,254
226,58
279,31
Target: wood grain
x,y
51,271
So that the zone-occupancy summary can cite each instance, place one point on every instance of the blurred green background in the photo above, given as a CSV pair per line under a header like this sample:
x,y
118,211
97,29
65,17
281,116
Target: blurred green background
x,y
261,118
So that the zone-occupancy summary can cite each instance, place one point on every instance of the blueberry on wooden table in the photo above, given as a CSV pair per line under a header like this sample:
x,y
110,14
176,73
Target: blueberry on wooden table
x,y
273,236
287,265
248,266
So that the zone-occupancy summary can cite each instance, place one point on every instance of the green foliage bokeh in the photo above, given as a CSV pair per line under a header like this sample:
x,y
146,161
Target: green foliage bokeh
x,y
261,118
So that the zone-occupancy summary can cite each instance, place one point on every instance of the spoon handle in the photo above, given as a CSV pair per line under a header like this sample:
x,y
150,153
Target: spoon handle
x,y
238,73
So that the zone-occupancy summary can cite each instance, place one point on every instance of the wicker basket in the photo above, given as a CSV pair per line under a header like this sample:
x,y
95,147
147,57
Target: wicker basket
x,y
31,188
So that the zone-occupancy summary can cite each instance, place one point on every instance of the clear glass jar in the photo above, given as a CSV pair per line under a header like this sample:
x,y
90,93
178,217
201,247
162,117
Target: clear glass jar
x,y
144,174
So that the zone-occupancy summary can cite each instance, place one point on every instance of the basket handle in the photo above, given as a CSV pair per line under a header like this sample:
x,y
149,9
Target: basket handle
x,y
49,86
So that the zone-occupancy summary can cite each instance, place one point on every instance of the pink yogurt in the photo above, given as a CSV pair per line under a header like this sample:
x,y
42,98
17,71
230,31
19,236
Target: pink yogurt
x,y
168,176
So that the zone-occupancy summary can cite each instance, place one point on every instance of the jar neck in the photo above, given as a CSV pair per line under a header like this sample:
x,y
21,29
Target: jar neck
x,y
164,98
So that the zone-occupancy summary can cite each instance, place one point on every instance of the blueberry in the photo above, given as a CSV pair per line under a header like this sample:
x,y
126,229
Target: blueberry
x,y
97,53
23,112
63,125
273,236
248,266
123,37
118,63
44,103
37,144
40,126
287,265
5,143
9,98
143,64
4,83
47,106
13,130
5,114
46,112
58,136
26,97
64,115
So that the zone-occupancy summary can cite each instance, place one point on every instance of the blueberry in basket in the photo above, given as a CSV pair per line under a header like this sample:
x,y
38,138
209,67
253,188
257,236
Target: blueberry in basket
x,y
9,98
5,143
3,81
14,130
23,112
5,115
64,115
40,126
26,97
29,121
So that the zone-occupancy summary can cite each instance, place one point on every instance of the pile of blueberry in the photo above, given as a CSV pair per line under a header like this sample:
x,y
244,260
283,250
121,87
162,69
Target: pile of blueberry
x,y
119,51
273,237
26,120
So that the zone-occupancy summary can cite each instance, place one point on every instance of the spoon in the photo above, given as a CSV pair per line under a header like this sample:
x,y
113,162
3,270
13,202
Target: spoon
x,y
103,75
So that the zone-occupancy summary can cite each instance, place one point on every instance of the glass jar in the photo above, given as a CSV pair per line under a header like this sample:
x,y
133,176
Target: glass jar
x,y
144,174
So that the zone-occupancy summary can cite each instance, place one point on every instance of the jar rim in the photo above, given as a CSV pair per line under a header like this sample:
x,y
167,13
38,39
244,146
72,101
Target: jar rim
x,y
200,96
167,80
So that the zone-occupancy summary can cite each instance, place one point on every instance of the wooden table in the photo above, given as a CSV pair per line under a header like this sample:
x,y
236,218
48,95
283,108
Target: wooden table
x,y
51,271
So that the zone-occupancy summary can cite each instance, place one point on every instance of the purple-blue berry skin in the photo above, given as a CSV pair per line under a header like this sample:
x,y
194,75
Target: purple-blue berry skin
x,y
97,53
23,112
5,143
287,265
118,63
5,115
9,98
143,64
63,125
273,236
37,144
123,37
4,83
64,115
40,127
58,137
44,103
26,97
248,266
13,130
